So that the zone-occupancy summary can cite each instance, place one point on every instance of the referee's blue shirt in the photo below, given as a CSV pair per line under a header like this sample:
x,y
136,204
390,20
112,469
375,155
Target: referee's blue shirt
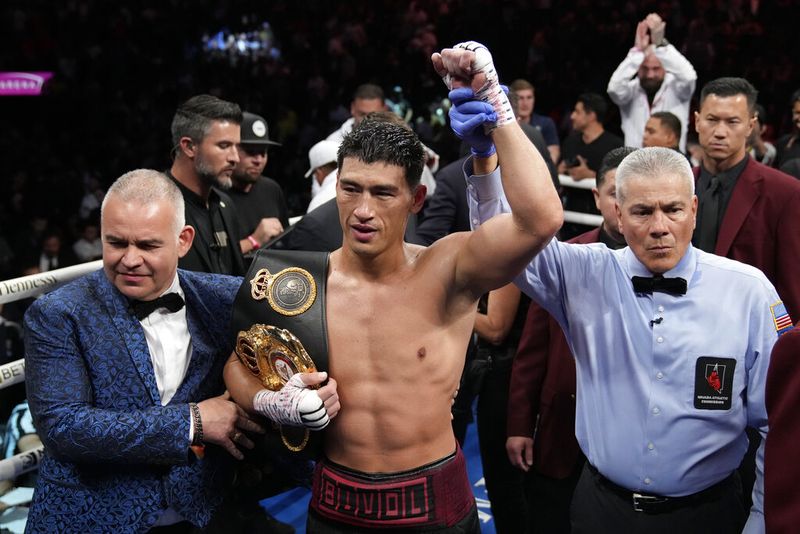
x,y
647,416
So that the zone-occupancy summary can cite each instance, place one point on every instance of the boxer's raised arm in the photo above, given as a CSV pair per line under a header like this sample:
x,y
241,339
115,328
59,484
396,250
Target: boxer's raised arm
x,y
500,248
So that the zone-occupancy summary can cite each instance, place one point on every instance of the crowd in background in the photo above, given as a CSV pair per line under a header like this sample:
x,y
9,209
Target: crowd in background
x,y
120,71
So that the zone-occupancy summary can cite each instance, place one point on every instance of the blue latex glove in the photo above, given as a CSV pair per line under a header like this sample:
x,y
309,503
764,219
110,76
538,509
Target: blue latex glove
x,y
467,117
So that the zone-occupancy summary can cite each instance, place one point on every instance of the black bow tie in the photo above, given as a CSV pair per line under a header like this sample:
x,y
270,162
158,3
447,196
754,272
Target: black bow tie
x,y
142,308
649,284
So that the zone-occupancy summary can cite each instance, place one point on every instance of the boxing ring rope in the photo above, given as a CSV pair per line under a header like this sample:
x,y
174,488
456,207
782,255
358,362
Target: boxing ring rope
x,y
21,463
576,217
35,284
31,286
14,372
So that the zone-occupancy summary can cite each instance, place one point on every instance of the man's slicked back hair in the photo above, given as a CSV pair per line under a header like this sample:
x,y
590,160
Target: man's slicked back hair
x,y
670,121
376,140
729,86
653,162
194,117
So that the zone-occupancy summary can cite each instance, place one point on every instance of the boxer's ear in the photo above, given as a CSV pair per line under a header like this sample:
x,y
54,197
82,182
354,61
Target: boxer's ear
x,y
419,198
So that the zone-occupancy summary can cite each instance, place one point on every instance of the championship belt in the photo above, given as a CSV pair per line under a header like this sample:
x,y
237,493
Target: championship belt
x,y
279,314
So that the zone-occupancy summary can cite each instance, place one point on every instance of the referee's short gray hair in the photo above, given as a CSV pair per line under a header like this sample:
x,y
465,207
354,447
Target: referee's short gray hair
x,y
653,162
144,186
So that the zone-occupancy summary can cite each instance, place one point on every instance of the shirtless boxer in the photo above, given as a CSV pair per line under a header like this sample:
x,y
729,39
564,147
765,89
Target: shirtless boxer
x,y
399,316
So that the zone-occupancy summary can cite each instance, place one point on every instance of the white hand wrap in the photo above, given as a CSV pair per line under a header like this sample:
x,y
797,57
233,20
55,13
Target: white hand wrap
x,y
490,92
294,404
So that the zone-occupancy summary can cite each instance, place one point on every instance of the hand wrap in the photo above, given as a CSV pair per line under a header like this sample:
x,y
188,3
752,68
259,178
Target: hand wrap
x,y
295,404
490,92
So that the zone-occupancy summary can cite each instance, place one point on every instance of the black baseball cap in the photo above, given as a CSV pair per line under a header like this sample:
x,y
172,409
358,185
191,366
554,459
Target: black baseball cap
x,y
255,130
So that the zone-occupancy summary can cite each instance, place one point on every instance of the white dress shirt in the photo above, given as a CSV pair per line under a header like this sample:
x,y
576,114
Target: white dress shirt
x,y
674,95
170,347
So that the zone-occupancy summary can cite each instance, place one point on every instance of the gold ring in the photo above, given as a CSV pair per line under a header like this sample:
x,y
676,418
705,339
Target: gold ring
x,y
236,436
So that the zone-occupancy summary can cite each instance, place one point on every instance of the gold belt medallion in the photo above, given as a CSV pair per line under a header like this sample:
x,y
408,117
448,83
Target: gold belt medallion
x,y
290,292
273,355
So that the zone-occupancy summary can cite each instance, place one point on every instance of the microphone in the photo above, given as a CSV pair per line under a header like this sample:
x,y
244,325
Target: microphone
x,y
656,321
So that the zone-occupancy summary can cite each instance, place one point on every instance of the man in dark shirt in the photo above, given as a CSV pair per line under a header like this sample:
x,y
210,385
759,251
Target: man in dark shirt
x,y
205,132
260,204
746,211
583,149
582,154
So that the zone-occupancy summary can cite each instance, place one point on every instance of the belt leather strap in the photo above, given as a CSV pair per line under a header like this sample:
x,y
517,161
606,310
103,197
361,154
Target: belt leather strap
x,y
309,326
654,504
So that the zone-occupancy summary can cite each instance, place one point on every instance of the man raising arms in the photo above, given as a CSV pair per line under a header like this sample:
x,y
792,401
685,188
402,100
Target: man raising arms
x,y
399,316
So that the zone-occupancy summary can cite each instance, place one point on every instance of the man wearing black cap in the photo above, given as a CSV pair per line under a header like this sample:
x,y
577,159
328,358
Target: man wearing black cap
x,y
259,200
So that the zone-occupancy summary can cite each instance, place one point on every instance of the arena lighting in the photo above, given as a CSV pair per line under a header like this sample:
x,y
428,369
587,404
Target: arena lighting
x,y
256,42
23,83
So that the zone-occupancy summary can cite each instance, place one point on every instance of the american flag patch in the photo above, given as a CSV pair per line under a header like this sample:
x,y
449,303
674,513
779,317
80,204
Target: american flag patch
x,y
783,323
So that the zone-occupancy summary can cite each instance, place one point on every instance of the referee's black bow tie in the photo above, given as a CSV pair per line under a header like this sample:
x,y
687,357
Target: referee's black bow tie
x,y
649,284
171,301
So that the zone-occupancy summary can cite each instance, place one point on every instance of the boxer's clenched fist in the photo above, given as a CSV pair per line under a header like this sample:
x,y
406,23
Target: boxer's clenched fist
x,y
470,64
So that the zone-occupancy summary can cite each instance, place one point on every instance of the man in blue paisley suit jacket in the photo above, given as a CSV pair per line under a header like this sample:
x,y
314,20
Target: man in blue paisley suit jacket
x,y
113,396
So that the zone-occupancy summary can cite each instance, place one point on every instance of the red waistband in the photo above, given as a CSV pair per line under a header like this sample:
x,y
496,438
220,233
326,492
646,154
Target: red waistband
x,y
438,494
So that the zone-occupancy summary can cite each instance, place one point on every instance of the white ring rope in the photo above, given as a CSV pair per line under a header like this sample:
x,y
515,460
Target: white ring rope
x,y
12,373
36,284
11,468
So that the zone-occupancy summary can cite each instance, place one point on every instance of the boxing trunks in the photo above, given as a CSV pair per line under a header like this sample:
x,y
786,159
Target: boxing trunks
x,y
436,497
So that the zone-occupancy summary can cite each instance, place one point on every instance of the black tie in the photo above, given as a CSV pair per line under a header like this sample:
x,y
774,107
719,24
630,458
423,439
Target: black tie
x,y
648,284
171,301
708,228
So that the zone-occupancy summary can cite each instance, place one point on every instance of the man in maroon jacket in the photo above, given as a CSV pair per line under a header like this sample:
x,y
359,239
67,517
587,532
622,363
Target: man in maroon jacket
x,y
747,211
543,386
781,497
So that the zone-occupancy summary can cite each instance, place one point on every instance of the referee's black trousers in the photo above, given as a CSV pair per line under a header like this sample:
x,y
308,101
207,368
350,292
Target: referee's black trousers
x,y
599,509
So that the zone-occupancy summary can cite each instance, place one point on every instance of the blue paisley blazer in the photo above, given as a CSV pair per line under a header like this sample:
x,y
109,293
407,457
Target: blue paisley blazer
x,y
114,457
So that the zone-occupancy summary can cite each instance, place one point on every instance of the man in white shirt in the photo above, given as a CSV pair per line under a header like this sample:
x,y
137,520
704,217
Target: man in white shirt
x,y
654,76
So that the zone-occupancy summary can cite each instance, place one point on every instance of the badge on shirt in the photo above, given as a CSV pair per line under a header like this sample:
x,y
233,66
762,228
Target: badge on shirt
x,y
713,383
783,323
